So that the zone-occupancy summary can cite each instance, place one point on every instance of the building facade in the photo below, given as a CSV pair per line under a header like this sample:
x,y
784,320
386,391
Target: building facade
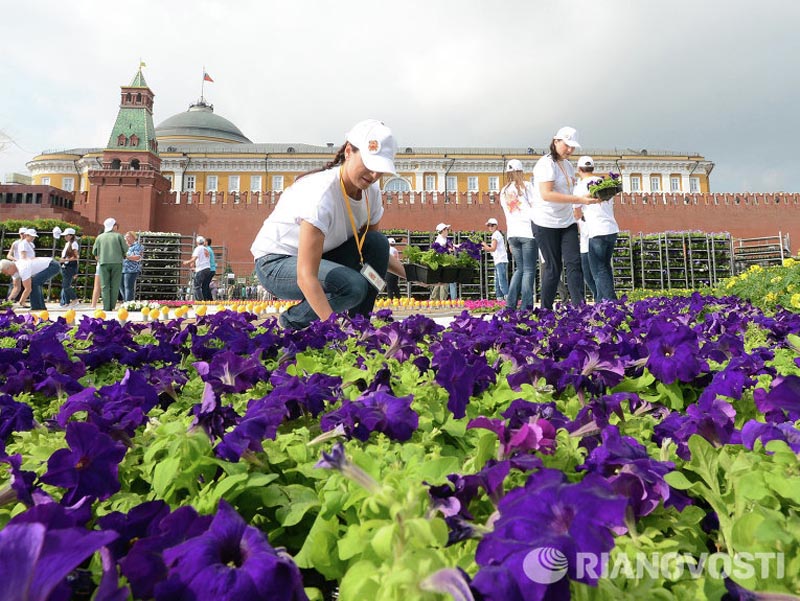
x,y
196,172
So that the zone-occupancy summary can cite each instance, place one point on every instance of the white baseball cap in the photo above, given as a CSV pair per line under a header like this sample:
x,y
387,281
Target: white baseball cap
x,y
68,231
109,224
201,240
376,144
491,221
392,241
31,232
569,135
442,226
514,165
585,161
22,230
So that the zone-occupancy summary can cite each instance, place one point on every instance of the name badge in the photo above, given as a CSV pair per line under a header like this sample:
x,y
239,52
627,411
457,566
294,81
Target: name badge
x,y
373,277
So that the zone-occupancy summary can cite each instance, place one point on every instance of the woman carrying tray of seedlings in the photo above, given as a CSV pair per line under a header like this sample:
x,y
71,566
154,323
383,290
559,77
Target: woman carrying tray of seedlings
x,y
321,244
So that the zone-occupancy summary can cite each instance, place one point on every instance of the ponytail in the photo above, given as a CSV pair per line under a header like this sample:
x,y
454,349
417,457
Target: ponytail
x,y
337,160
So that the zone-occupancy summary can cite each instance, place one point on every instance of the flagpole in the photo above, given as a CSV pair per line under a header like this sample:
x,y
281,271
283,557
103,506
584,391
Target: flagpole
x,y
203,85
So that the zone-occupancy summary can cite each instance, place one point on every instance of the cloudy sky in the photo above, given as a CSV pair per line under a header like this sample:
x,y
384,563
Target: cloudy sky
x,y
715,77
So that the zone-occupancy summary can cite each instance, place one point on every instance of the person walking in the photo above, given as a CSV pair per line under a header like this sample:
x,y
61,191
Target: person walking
x,y
601,231
440,291
109,249
212,260
554,218
131,266
15,287
497,248
516,200
392,279
69,267
201,262
321,244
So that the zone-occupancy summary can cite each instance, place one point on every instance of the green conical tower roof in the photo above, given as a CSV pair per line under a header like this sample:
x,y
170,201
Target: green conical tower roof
x,y
134,129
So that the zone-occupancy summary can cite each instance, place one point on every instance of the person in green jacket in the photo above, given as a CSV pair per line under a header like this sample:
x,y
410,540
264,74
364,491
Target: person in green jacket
x,y
109,249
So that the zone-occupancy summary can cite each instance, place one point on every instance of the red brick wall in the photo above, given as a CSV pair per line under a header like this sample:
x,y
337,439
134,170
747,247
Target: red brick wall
x,y
235,225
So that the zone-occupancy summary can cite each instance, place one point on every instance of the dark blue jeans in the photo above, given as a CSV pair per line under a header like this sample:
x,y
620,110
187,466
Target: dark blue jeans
x,y
587,274
601,251
526,258
200,284
339,274
560,245
129,285
39,280
501,280
68,272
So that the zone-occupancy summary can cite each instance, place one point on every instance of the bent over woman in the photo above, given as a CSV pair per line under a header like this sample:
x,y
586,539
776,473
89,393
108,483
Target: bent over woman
x,y
321,243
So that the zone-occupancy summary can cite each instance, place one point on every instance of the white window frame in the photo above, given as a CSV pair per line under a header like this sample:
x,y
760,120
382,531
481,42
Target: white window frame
x,y
636,183
472,183
234,183
212,183
277,183
452,183
45,181
255,183
397,184
190,183
694,185
430,183
68,184
494,183
655,183
674,184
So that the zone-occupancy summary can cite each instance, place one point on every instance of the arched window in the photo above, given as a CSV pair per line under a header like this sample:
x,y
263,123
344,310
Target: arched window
x,y
134,140
116,164
139,98
128,97
397,184
135,164
122,140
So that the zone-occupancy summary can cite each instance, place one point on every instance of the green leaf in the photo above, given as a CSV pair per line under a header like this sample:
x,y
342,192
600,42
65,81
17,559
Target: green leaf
x,y
360,582
383,540
319,549
164,475
301,500
679,481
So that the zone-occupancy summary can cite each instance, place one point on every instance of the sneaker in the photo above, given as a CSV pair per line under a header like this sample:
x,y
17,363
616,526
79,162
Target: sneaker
x,y
73,303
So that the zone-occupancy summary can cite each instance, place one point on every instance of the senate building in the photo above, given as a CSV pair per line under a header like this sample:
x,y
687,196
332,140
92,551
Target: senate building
x,y
196,172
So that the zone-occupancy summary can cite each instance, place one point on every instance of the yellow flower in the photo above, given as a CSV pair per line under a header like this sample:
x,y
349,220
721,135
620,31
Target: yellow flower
x,y
790,288
755,268
789,262
796,300
777,279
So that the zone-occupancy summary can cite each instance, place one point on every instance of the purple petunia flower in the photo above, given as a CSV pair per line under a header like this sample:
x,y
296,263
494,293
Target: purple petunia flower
x,y
713,419
537,434
89,466
782,402
260,422
229,372
336,460
462,374
674,353
754,430
230,561
378,411
14,417
547,513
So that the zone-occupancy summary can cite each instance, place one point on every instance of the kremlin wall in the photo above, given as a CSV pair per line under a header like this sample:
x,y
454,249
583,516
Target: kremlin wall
x,y
197,173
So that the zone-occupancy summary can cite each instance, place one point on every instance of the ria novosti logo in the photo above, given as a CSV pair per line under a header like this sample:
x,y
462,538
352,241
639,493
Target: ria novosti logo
x,y
545,565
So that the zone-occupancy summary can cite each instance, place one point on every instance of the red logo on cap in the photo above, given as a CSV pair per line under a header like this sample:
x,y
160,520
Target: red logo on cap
x,y
373,146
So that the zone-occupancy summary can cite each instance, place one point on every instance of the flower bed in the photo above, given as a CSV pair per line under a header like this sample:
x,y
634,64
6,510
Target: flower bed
x,y
496,458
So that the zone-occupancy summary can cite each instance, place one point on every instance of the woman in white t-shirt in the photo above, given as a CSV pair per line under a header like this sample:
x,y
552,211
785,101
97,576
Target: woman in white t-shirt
x,y
516,199
554,219
201,263
321,244
601,230
69,267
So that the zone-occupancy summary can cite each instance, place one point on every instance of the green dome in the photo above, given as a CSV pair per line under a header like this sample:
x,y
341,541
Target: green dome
x,y
199,123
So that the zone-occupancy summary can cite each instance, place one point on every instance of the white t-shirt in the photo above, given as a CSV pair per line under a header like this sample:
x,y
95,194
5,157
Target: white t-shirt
x,y
499,255
393,251
28,268
24,248
583,230
317,199
203,258
518,210
75,246
598,219
553,214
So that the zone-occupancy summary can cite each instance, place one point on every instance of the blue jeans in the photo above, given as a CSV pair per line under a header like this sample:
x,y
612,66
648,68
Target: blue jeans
x,y
68,272
453,290
339,273
500,280
587,274
200,283
526,258
39,280
601,251
557,245
129,285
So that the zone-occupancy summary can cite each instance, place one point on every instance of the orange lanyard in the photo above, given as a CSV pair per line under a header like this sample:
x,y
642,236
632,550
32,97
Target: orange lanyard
x,y
359,241
570,183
